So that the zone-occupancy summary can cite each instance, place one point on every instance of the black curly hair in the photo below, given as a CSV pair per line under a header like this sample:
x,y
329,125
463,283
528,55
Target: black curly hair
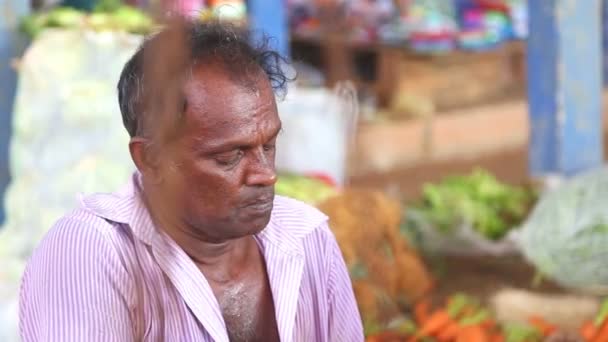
x,y
151,80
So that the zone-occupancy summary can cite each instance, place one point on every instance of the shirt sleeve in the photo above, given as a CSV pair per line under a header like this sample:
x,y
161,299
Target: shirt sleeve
x,y
344,318
75,288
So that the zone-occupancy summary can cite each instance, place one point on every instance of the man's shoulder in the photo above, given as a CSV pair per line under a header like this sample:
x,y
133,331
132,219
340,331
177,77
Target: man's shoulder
x,y
78,233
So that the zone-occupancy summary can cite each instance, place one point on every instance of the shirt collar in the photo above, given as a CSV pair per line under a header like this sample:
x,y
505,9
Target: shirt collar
x,y
125,207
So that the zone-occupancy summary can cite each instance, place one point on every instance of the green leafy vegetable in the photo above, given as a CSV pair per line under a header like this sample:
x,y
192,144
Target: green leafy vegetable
x,y
305,189
457,303
521,333
602,314
479,199
477,318
402,325
108,15
108,5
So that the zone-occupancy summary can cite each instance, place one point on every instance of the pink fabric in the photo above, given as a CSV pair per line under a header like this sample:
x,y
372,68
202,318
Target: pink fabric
x,y
104,273
185,7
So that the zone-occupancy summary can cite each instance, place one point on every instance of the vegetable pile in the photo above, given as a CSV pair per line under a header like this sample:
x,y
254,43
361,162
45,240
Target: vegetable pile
x,y
108,15
464,319
366,225
492,208
597,330
309,189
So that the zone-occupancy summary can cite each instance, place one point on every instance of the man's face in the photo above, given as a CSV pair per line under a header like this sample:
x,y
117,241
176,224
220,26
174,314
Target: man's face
x,y
218,173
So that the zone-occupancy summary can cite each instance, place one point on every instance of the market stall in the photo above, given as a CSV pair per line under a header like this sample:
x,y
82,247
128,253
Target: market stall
x,y
474,259
410,55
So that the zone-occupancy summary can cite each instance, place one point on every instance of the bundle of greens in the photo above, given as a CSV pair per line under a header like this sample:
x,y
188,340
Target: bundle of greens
x,y
491,208
108,15
311,190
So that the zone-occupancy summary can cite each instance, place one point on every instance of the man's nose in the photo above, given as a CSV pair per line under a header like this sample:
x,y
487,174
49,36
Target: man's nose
x,y
261,170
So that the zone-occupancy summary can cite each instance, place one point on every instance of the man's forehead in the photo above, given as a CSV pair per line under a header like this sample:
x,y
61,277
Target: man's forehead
x,y
214,75
215,91
229,136
227,109
219,107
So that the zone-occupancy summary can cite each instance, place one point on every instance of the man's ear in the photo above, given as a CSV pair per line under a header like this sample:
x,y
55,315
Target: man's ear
x,y
145,158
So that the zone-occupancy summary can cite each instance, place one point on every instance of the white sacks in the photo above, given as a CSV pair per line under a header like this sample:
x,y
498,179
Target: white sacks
x,y
67,139
318,128
566,236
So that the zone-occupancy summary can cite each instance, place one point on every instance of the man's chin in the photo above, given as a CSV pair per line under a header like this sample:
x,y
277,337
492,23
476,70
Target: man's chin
x,y
249,227
257,225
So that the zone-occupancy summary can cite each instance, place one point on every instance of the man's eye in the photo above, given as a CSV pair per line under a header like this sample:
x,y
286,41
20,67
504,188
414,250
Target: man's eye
x,y
227,159
269,147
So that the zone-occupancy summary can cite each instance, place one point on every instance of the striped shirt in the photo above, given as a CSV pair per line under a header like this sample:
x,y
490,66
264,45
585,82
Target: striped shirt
x,y
105,273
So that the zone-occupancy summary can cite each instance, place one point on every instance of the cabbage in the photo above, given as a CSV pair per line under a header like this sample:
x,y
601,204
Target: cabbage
x,y
64,17
566,236
132,20
108,16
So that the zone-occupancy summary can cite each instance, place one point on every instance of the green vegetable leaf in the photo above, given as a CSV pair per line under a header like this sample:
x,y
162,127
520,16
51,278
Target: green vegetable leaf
x,y
521,333
602,314
457,303
477,318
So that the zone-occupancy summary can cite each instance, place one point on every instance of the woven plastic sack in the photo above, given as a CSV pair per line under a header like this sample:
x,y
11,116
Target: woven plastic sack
x,y
566,236
67,139
462,240
318,127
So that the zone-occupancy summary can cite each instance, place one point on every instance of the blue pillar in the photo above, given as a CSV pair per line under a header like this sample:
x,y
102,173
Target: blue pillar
x,y
11,46
565,86
86,5
270,17
605,39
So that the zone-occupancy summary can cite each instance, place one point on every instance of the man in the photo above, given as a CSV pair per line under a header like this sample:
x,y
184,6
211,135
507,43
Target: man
x,y
196,247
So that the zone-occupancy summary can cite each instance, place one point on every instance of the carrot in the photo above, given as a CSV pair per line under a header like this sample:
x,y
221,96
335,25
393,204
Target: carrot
x,y
588,330
489,324
421,311
472,333
449,333
602,334
468,311
387,336
497,338
436,321
545,328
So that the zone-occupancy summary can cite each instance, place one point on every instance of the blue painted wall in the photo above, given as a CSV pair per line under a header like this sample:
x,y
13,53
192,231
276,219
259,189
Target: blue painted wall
x,y
605,39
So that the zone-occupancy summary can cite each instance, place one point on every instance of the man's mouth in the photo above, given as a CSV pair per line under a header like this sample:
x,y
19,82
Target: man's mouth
x,y
261,204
